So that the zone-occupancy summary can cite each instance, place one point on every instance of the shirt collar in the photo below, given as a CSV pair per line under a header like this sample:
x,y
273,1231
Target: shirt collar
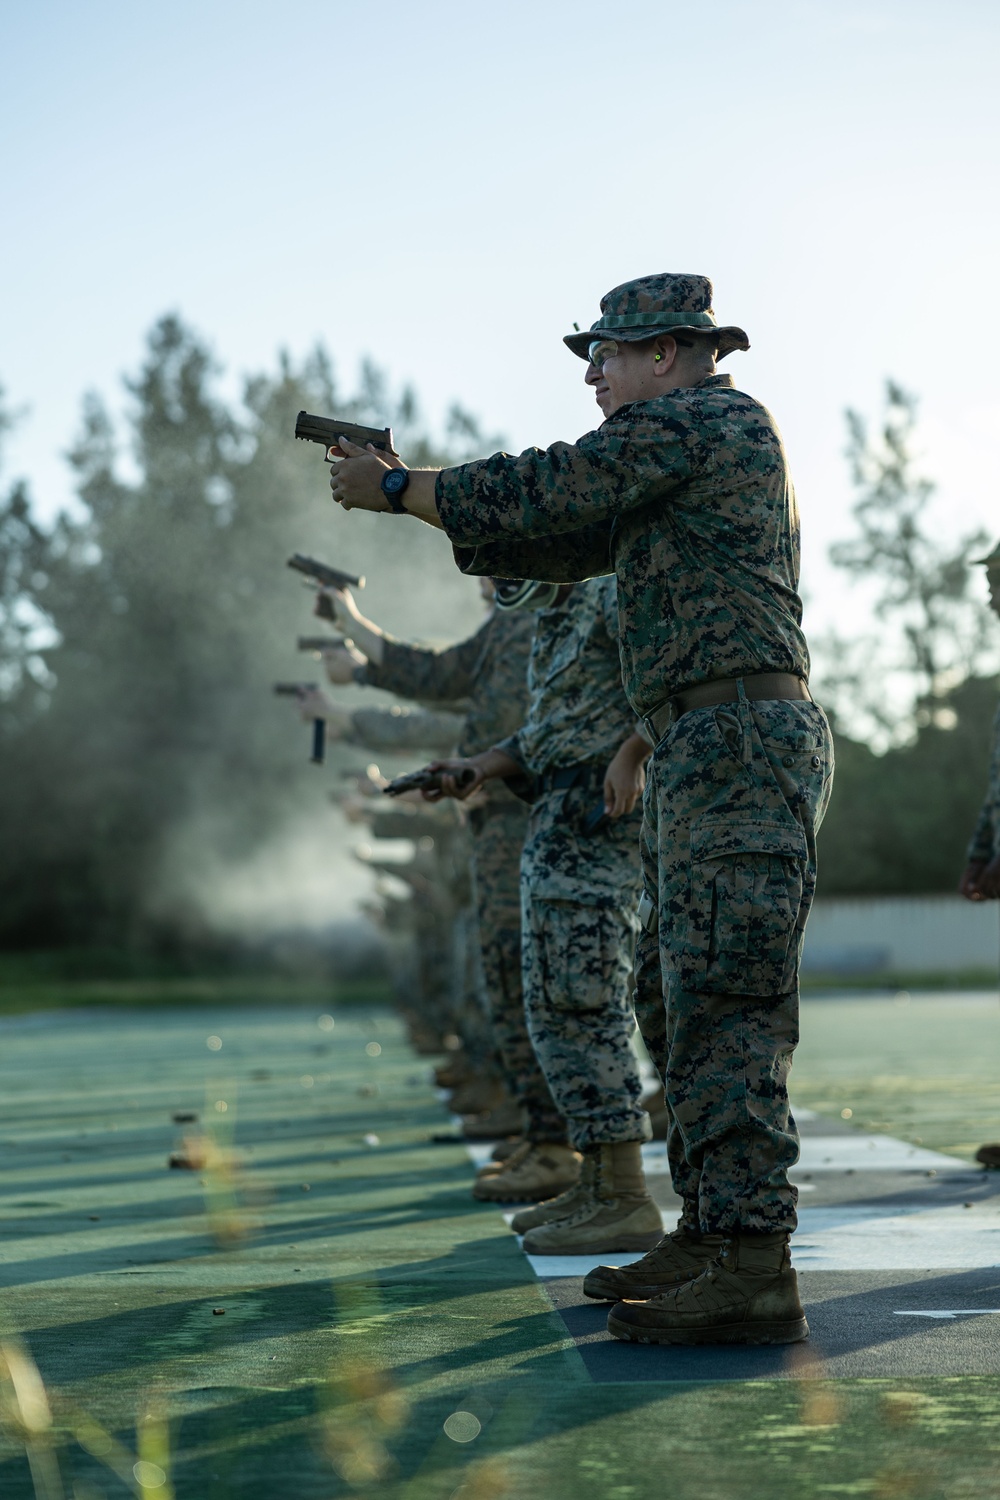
x,y
715,382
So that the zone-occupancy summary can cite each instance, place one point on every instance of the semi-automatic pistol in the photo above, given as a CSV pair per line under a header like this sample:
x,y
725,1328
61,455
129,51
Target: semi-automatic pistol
x,y
327,431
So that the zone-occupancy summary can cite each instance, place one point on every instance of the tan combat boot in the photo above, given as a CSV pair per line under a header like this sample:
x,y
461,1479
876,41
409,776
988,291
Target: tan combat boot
x,y
423,1038
504,1150
477,1093
491,1168
448,1075
557,1208
749,1295
541,1171
494,1125
680,1256
615,1212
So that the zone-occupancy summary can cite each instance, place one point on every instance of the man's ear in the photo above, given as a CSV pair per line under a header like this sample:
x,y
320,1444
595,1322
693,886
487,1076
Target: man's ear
x,y
664,353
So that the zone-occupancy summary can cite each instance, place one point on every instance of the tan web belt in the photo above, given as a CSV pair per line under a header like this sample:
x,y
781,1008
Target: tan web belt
x,y
722,690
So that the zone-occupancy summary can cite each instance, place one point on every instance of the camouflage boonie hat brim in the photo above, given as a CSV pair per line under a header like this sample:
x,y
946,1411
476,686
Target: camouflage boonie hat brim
x,y
992,559
658,304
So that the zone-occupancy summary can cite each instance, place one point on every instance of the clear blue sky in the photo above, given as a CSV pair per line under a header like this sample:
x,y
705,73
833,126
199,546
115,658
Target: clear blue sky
x,y
447,187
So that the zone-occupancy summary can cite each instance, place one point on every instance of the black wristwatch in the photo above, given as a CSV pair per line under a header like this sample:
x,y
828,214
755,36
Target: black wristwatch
x,y
394,482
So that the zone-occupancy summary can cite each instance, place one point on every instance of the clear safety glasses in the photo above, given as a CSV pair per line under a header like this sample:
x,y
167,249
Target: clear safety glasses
x,y
600,350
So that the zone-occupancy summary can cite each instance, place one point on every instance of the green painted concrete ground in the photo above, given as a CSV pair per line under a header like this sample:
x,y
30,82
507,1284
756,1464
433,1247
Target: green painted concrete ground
x,y
321,1311
925,1068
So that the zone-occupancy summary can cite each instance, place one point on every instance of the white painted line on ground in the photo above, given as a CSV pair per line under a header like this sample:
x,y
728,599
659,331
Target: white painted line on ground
x,y
872,1153
549,1267
856,1238
957,1312
880,1238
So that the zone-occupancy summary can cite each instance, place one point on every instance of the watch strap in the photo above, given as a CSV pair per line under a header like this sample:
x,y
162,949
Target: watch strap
x,y
395,494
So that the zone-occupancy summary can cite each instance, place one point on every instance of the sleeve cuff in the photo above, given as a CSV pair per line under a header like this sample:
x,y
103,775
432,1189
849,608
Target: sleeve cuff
x,y
444,494
512,746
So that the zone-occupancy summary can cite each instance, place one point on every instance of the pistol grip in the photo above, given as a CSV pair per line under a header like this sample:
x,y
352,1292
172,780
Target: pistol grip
x,y
319,742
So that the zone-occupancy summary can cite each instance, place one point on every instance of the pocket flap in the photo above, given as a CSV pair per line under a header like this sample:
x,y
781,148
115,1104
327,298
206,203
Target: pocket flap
x,y
717,835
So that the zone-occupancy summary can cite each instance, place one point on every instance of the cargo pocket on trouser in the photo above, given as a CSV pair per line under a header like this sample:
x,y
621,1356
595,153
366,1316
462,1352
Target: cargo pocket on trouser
x,y
744,903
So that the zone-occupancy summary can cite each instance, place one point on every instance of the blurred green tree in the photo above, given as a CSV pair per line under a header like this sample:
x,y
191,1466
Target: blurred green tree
x,y
139,638
936,631
921,691
899,821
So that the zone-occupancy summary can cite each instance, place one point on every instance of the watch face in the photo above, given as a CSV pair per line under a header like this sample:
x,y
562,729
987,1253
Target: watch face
x,y
394,481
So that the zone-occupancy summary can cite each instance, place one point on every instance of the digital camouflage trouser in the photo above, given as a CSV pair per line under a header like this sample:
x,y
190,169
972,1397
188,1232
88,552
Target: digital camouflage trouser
x,y
734,798
578,895
498,836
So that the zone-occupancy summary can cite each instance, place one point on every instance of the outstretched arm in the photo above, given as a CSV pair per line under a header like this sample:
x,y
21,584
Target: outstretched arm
x,y
542,492
356,483
366,635
421,672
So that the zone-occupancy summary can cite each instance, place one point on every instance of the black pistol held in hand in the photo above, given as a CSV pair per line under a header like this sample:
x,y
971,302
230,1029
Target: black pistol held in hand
x,y
319,642
425,781
322,574
295,690
328,431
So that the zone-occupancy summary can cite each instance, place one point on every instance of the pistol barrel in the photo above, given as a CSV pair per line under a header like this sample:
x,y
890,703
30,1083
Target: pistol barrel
x,y
319,642
323,574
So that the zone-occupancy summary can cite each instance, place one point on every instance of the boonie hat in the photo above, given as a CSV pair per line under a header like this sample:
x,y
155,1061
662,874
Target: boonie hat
x,y
992,559
667,303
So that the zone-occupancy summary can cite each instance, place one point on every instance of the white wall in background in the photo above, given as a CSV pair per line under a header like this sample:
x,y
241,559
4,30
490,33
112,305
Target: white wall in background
x,y
903,933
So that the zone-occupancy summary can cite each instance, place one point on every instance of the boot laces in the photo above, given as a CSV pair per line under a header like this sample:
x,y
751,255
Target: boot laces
x,y
566,1196
662,1254
516,1157
533,1153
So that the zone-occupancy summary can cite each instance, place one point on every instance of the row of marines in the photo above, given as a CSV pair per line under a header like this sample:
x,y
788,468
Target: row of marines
x,y
646,772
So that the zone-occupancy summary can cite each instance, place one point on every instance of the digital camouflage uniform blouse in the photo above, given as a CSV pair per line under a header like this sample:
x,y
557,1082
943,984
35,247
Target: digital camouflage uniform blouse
x,y
688,499
577,713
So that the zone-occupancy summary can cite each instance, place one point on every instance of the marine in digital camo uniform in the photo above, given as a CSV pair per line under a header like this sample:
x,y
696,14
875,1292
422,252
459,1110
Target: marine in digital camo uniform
x,y
981,877
489,672
437,993
579,887
442,1002
684,493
